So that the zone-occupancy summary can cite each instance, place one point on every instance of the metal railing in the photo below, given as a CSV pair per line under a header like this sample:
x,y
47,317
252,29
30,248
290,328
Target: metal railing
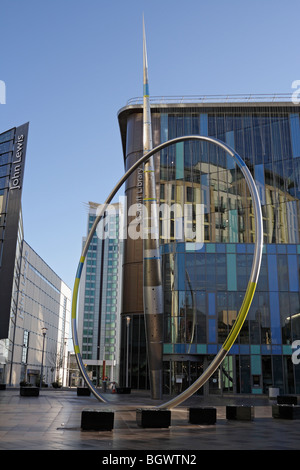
x,y
196,99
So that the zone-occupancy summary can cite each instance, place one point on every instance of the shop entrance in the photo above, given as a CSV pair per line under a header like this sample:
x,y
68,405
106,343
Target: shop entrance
x,y
180,374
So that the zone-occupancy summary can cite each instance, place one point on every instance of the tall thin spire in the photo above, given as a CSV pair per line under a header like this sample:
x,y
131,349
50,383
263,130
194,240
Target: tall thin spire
x,y
147,128
145,60
152,293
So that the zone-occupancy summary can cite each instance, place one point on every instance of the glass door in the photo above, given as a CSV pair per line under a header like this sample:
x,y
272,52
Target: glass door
x,y
227,374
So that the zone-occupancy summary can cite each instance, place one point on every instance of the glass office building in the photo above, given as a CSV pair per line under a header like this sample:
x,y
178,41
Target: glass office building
x,y
99,297
204,279
43,303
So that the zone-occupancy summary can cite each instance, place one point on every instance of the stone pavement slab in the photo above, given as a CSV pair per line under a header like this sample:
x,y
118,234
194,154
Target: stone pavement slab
x,y
52,421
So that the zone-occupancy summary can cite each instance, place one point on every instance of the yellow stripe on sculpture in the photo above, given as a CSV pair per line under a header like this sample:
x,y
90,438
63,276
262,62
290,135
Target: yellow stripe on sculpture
x,y
241,316
74,298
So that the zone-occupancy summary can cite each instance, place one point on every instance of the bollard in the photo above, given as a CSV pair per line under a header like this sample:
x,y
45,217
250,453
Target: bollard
x,y
153,418
202,415
287,400
29,391
286,411
97,420
83,392
240,412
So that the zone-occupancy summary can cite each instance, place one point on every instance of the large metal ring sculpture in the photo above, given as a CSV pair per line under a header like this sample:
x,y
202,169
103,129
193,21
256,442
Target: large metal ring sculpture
x,y
251,283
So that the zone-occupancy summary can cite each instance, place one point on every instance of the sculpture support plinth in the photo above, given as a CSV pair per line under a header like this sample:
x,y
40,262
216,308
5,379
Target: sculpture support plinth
x,y
97,420
153,418
203,415
240,412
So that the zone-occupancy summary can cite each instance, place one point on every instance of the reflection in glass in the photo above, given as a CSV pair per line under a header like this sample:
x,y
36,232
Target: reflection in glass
x,y
199,173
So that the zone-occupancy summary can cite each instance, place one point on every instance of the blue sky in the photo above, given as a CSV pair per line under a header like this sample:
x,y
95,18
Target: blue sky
x,y
70,65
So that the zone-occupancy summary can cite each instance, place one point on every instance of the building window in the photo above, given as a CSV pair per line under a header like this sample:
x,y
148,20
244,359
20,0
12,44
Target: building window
x,y
25,347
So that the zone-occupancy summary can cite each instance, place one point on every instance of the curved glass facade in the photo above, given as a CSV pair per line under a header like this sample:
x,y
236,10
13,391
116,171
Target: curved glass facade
x,y
206,260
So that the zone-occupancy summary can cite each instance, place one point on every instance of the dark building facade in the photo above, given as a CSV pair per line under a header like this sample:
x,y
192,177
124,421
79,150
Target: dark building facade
x,y
205,280
34,301
12,162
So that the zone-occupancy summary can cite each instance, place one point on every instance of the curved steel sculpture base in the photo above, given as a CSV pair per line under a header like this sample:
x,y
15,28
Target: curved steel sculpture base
x,y
255,269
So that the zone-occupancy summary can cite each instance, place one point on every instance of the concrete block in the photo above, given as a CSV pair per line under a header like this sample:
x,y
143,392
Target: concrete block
x,y
240,412
203,415
153,418
29,391
83,392
286,411
287,400
97,420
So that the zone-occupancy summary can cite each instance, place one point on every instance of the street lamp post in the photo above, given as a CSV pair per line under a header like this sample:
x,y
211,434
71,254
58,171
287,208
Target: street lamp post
x,y
44,330
64,363
127,348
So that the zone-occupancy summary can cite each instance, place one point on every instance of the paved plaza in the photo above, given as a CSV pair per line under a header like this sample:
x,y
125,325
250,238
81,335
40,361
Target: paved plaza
x,y
52,421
